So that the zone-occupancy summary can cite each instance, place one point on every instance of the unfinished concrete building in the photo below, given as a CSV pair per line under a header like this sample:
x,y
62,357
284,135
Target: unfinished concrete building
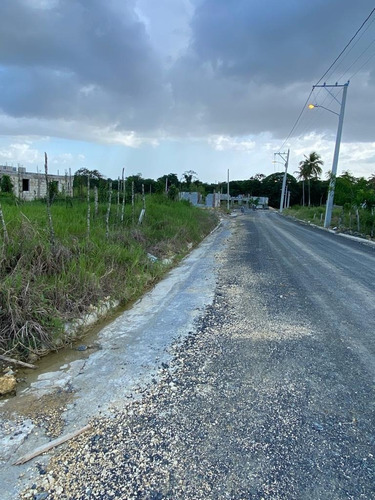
x,y
31,186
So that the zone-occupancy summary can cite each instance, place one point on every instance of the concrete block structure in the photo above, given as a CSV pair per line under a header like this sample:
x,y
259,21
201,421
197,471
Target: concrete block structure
x,y
213,200
194,198
259,201
31,186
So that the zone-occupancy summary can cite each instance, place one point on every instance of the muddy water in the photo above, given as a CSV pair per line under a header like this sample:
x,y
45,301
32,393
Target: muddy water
x,y
54,360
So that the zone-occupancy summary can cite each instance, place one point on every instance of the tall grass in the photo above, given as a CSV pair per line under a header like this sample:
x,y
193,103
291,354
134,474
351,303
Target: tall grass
x,y
346,219
42,287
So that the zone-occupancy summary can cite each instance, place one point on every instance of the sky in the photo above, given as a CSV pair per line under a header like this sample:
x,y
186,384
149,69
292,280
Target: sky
x,y
168,86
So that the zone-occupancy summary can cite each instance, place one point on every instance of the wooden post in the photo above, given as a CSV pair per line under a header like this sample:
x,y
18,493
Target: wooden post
x,y
49,216
38,178
51,444
118,199
20,192
70,183
88,206
96,200
108,209
123,195
5,231
133,203
143,211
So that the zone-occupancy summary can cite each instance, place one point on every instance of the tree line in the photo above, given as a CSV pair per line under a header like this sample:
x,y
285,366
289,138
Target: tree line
x,y
306,187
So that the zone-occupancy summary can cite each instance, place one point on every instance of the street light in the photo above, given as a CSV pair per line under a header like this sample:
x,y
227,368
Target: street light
x,y
332,182
312,106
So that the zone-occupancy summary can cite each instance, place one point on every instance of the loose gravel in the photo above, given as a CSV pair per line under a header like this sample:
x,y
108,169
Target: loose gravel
x,y
252,406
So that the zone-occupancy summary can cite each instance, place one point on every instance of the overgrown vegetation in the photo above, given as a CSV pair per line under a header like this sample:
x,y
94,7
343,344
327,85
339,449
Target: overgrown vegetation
x,y
347,219
354,200
45,284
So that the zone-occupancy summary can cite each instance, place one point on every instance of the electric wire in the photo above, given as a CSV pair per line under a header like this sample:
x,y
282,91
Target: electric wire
x,y
296,122
331,67
364,64
347,45
350,50
357,59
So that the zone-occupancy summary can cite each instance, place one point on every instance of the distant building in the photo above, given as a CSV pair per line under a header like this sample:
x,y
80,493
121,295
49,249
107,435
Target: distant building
x,y
195,198
213,200
31,186
258,201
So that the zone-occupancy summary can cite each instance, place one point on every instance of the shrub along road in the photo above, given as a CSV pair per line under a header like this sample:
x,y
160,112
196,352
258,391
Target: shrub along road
x,y
270,395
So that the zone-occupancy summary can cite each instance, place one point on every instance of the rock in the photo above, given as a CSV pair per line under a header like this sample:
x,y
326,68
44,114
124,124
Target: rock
x,y
7,384
32,358
81,347
151,257
41,496
317,426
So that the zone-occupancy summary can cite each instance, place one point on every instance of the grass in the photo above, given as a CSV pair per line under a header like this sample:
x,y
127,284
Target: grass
x,y
360,222
43,286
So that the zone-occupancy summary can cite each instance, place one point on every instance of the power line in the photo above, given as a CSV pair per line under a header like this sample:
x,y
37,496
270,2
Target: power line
x,y
298,119
351,49
347,45
330,67
357,59
364,64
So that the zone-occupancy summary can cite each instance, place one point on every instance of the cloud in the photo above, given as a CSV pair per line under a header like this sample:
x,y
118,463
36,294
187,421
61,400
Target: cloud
x,y
250,66
225,143
19,152
79,61
133,72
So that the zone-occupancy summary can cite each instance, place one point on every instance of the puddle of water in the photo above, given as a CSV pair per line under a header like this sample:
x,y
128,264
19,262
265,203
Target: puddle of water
x,y
54,360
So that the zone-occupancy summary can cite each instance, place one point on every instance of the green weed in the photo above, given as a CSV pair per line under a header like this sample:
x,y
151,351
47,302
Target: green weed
x,y
44,286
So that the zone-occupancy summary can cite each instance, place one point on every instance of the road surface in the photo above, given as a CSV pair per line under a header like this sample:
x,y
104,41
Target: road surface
x,y
269,396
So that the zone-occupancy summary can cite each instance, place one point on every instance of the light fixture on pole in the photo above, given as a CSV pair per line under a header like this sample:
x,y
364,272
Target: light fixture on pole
x,y
285,158
332,182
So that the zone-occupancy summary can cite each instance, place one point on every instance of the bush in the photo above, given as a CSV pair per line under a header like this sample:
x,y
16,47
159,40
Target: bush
x,y
6,185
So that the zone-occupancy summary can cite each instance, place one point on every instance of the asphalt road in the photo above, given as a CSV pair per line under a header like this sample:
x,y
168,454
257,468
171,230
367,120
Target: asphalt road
x,y
271,396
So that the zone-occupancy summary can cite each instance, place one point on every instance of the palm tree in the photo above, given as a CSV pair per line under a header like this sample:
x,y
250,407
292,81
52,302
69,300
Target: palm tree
x,y
302,176
310,168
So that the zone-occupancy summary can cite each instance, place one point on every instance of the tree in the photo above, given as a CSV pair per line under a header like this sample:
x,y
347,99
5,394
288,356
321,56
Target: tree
x,y
166,181
310,168
53,191
302,176
173,193
272,185
6,185
188,177
80,179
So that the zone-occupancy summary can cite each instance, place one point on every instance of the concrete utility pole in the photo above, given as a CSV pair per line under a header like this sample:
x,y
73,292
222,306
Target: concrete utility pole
x,y
285,158
228,190
332,182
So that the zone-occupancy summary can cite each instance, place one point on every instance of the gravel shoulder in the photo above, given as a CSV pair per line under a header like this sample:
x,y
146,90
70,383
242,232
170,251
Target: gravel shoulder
x,y
264,397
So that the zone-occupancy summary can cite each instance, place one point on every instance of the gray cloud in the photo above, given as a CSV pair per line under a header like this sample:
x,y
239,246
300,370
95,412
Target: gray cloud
x,y
78,60
246,69
251,65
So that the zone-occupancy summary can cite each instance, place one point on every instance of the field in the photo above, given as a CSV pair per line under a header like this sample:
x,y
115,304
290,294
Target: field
x,y
53,273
